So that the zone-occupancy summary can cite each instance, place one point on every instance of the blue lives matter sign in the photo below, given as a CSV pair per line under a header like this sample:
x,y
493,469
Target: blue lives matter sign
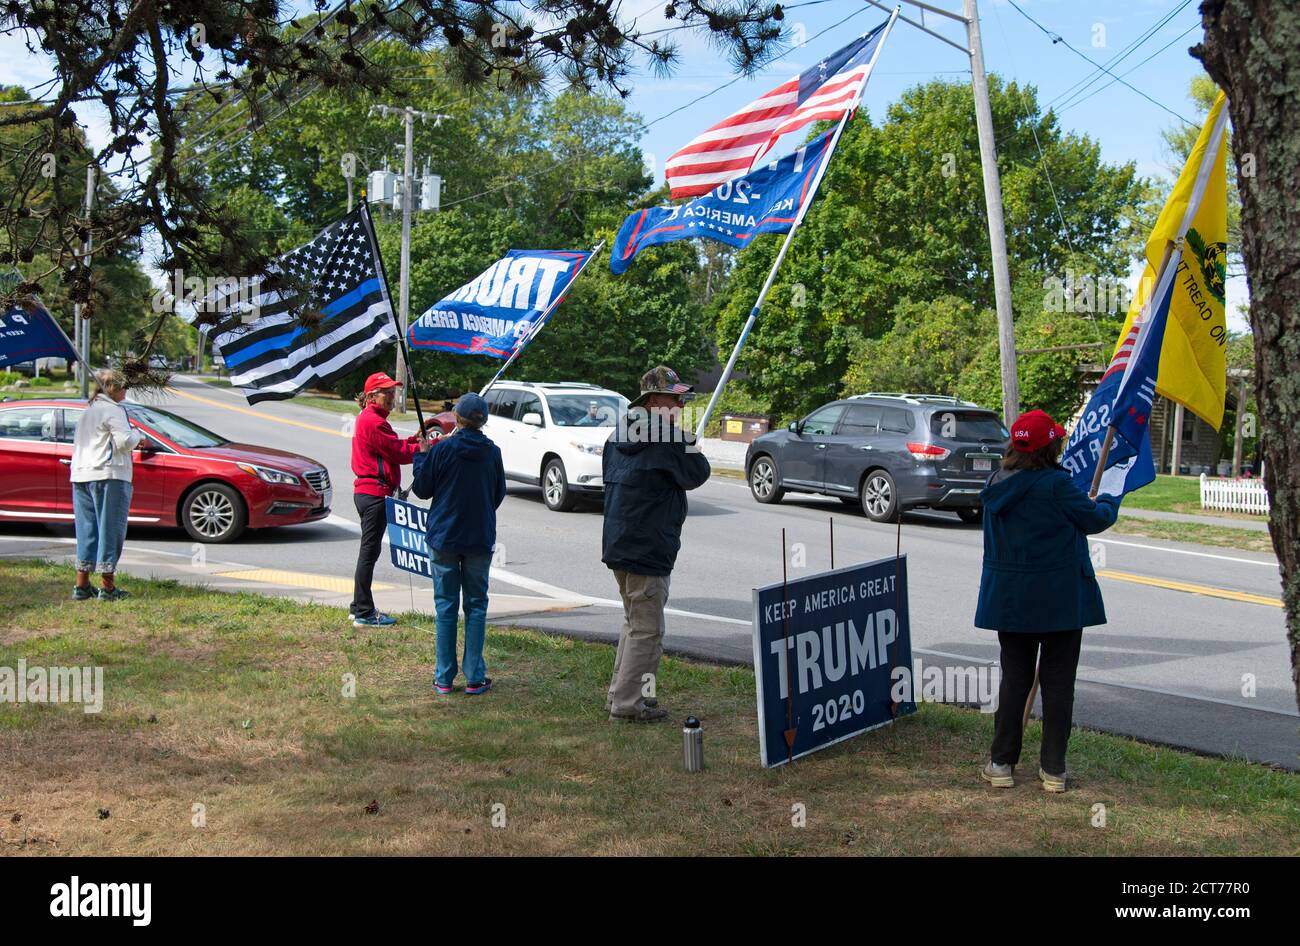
x,y
824,648
407,524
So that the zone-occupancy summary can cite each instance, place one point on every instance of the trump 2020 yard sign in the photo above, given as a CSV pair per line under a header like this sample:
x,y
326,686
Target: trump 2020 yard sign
x,y
824,650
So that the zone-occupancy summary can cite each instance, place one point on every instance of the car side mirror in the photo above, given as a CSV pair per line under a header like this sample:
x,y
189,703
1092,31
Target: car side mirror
x,y
532,419
147,448
796,426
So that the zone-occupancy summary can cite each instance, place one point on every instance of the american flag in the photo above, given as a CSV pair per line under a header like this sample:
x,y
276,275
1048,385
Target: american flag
x,y
733,146
328,312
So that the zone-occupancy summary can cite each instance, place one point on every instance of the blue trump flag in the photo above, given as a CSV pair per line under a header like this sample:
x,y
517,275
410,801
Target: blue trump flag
x,y
1123,400
503,308
28,332
767,200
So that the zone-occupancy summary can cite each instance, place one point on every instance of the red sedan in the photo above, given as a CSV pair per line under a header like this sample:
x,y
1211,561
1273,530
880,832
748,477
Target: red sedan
x,y
184,475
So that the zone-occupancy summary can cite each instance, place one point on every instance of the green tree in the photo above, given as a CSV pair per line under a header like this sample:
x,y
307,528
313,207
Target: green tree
x,y
925,350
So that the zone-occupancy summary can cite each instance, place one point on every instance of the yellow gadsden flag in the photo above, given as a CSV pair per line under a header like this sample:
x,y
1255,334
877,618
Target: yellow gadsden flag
x,y
1193,365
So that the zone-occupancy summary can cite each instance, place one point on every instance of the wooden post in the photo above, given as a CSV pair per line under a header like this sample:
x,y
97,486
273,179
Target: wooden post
x,y
1236,436
1177,461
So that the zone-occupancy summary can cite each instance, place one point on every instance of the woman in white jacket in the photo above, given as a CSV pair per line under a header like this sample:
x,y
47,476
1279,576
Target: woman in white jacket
x,y
101,485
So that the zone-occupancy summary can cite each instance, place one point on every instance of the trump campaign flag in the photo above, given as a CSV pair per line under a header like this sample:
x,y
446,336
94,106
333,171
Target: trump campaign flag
x,y
503,308
768,200
824,92
28,332
1193,359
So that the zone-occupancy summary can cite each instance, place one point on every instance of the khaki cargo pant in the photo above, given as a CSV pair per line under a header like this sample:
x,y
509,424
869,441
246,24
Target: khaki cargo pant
x,y
641,641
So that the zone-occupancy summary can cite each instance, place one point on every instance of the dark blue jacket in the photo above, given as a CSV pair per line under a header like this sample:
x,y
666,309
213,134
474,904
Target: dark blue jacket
x,y
462,474
645,499
1037,574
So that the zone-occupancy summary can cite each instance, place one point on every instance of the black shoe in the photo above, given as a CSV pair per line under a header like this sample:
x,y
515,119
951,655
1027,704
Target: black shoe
x,y
117,594
83,593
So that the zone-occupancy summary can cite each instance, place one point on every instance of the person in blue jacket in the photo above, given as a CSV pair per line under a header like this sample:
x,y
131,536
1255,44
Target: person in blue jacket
x,y
1038,591
463,475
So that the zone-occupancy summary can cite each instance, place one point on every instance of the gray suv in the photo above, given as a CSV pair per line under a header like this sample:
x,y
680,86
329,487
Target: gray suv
x,y
887,452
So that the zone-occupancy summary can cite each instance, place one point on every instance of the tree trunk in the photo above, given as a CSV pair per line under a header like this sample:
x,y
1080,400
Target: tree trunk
x,y
1252,50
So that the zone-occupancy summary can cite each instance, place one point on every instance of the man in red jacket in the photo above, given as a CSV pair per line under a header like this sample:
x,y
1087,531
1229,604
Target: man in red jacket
x,y
378,456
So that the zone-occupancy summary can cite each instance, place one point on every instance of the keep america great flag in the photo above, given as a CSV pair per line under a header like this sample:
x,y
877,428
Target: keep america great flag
x,y
324,310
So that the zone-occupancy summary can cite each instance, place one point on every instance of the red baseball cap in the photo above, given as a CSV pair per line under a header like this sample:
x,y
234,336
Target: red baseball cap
x,y
1034,430
380,380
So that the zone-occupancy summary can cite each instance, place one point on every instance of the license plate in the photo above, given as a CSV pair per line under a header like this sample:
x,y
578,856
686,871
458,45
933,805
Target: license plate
x,y
326,496
982,463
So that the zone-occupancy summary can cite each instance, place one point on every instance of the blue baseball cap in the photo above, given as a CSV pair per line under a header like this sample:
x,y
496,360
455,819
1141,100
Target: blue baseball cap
x,y
472,407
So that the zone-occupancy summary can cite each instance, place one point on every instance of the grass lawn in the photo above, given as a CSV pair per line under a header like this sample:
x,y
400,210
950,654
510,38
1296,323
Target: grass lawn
x,y
235,703
1178,494
58,389
1228,537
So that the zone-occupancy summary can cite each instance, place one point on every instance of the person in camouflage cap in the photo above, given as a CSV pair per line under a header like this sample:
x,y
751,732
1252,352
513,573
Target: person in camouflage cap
x,y
647,469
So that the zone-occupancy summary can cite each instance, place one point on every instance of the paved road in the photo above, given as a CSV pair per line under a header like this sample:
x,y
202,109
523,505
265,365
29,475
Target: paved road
x,y
1189,625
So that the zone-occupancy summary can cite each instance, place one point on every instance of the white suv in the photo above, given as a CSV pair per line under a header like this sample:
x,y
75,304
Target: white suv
x,y
552,434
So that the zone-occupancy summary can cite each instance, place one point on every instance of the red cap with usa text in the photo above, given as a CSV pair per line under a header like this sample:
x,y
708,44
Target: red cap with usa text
x,y
1034,431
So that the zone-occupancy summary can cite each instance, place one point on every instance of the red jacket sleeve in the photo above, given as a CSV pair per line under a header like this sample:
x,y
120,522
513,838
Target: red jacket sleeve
x,y
385,442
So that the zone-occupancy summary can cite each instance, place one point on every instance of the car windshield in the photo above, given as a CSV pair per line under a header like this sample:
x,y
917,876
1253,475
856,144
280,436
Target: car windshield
x,y
182,432
977,426
587,410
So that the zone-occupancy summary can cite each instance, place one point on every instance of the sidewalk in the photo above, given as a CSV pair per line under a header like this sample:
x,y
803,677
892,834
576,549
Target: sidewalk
x,y
415,594
1254,525
724,453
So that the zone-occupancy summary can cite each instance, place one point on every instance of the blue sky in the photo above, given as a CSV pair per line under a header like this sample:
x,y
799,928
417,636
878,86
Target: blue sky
x,y
1126,125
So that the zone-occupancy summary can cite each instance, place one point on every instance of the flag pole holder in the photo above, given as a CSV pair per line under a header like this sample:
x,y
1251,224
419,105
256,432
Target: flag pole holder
x,y
401,338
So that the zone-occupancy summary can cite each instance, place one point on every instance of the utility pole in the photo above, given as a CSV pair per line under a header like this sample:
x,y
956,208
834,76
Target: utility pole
x,y
408,205
79,325
974,50
997,229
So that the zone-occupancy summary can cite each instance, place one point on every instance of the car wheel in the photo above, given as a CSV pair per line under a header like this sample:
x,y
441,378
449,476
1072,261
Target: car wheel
x,y
765,481
555,487
971,516
879,498
214,512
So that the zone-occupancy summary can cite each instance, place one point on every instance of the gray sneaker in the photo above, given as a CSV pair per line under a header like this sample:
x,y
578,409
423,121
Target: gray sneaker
x,y
1052,783
999,776
643,714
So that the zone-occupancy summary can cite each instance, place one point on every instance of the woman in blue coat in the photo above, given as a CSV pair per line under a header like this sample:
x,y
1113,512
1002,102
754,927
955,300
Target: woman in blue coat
x,y
1038,591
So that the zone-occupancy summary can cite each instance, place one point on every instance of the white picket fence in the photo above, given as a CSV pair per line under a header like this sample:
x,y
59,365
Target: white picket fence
x,y
1234,495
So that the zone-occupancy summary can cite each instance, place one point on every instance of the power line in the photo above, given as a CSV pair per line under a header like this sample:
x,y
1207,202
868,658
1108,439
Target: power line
x,y
1055,38
1097,73
1131,71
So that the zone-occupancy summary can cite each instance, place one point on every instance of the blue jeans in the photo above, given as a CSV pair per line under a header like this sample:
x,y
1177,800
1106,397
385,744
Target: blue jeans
x,y
455,576
99,510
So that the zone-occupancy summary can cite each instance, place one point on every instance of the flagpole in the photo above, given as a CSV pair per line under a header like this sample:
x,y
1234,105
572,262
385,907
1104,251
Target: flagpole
x,y
703,422
541,322
1212,146
401,340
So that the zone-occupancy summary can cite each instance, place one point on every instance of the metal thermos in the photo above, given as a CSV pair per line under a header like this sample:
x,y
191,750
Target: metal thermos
x,y
692,745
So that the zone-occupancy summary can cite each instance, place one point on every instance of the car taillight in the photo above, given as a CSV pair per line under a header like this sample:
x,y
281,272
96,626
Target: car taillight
x,y
927,451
